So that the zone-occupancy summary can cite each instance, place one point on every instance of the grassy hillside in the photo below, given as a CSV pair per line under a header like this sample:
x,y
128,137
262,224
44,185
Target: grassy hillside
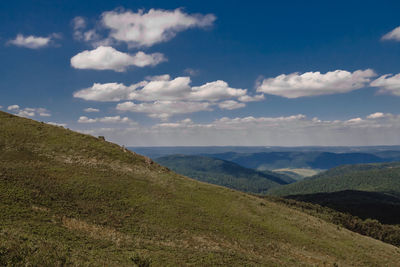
x,y
383,177
73,199
225,173
299,159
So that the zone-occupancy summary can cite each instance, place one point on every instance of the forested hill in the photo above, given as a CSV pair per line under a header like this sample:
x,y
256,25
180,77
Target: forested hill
x,y
383,177
365,205
225,173
310,159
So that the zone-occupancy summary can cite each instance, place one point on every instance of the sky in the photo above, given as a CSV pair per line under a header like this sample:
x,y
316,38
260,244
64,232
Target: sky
x,y
205,73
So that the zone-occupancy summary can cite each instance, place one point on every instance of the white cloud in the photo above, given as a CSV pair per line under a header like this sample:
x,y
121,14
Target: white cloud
x,y
144,29
158,92
247,98
114,119
13,107
295,130
178,124
108,92
163,97
379,115
388,83
392,35
164,77
91,110
33,42
164,109
28,112
161,88
354,120
231,104
214,91
315,83
108,58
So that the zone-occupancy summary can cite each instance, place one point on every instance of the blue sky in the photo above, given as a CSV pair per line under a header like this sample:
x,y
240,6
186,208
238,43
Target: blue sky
x,y
206,73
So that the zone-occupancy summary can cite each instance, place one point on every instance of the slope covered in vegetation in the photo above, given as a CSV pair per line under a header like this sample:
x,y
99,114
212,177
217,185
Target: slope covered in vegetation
x,y
382,177
365,205
225,173
73,199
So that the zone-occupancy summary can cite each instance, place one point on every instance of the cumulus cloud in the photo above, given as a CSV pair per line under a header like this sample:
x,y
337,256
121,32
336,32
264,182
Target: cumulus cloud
x,y
164,109
108,58
28,112
138,29
354,120
162,96
33,42
161,88
177,124
231,104
392,35
13,107
111,119
388,84
108,92
247,98
214,91
295,130
379,115
148,28
91,110
315,83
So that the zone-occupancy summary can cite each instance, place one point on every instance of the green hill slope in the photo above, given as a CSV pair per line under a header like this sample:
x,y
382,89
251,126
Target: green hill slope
x,y
380,177
73,199
225,173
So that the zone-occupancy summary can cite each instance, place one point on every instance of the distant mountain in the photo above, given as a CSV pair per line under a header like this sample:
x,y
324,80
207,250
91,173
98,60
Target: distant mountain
x,y
70,199
225,173
390,155
380,177
313,159
365,205
157,151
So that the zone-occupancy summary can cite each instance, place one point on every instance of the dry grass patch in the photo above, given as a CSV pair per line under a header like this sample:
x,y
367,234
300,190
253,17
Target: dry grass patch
x,y
96,231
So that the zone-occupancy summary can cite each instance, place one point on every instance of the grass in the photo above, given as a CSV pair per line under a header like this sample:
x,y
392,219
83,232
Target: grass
x,y
73,199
